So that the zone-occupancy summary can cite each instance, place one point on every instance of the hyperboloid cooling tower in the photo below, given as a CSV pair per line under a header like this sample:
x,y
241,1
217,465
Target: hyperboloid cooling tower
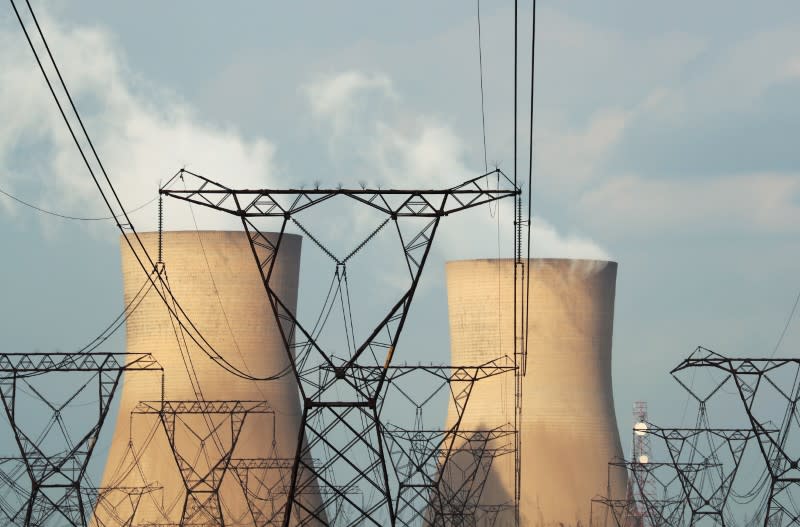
x,y
214,277
569,428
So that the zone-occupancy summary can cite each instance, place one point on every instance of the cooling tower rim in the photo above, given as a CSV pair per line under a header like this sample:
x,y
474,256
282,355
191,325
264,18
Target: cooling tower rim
x,y
552,261
208,231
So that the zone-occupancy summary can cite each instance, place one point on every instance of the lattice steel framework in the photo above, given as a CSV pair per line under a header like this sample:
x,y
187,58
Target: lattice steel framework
x,y
337,401
706,460
458,495
56,471
118,503
265,484
759,382
665,503
624,512
201,505
13,495
433,473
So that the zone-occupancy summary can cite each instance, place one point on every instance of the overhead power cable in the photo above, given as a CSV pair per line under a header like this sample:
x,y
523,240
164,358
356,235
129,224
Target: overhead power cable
x,y
114,204
530,186
66,216
786,326
483,107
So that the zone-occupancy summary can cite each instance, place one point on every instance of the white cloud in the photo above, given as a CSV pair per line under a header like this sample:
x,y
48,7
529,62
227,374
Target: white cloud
x,y
640,206
404,149
336,97
142,135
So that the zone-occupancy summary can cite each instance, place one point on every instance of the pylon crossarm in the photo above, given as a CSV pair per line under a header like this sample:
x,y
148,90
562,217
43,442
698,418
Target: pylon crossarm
x,y
197,189
201,407
27,363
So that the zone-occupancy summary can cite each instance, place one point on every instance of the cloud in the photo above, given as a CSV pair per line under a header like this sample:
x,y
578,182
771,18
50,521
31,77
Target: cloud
x,y
143,135
402,148
633,205
335,98
381,141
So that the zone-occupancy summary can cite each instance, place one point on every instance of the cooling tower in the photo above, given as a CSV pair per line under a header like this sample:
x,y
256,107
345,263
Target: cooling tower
x,y
568,428
215,278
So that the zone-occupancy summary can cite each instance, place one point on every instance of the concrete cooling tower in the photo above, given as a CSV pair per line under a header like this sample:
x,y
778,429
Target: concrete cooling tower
x,y
569,428
215,278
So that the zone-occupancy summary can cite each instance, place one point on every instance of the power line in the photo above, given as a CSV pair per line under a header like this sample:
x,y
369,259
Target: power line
x,y
786,326
166,295
530,191
66,216
483,107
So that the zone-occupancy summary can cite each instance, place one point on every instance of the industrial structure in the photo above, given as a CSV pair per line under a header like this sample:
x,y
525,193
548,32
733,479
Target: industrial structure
x,y
213,276
568,427
56,451
267,417
342,381
769,390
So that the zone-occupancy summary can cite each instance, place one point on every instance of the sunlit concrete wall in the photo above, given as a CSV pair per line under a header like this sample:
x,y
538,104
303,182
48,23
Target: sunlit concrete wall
x,y
215,278
569,428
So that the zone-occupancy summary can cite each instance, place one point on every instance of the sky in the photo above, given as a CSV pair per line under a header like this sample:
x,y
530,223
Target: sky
x,y
664,139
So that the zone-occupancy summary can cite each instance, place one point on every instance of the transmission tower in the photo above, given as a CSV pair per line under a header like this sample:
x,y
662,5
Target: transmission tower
x,y
55,461
457,498
706,460
432,469
13,494
759,383
205,460
339,405
119,504
265,484
664,503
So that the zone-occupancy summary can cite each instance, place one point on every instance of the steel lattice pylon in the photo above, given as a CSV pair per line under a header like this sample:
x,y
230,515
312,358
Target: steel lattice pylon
x,y
340,413
56,471
201,505
624,512
119,504
758,382
663,505
13,495
433,471
458,496
706,479
265,483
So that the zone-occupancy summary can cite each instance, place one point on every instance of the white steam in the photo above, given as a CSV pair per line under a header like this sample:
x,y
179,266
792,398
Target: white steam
x,y
143,135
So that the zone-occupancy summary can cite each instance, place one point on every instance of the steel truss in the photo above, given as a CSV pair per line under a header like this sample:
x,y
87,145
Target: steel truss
x,y
457,499
265,484
437,471
13,495
56,471
758,382
118,503
201,505
664,503
624,512
706,461
339,406
487,515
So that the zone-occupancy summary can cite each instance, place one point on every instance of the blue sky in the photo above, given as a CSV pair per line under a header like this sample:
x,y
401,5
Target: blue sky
x,y
664,139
